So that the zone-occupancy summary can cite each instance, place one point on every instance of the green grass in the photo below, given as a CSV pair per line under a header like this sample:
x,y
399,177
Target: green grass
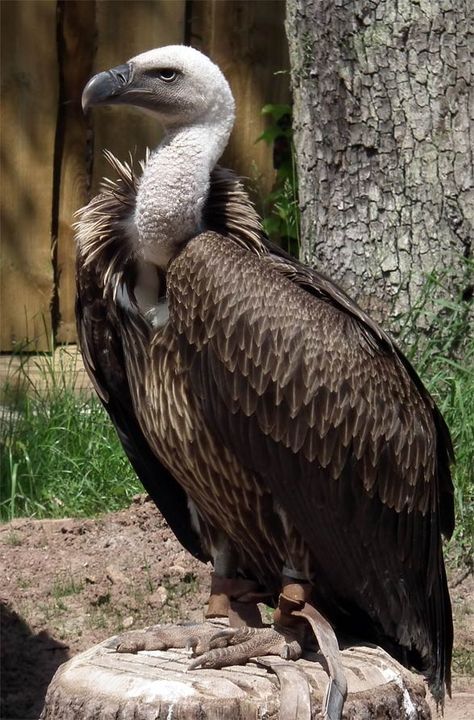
x,y
66,584
463,661
59,454
280,209
443,356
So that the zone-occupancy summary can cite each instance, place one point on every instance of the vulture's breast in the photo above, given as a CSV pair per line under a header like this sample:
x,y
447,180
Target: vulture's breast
x,y
226,495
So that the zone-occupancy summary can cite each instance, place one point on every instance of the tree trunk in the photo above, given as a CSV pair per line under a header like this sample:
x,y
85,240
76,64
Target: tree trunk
x,y
384,156
101,683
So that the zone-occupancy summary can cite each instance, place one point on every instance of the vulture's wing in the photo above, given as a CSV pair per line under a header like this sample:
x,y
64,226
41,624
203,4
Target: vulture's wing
x,y
99,325
313,398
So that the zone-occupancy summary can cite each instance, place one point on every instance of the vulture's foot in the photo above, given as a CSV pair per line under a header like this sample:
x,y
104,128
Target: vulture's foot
x,y
194,637
236,646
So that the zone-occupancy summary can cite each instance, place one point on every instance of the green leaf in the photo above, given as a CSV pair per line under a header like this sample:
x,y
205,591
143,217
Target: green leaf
x,y
276,111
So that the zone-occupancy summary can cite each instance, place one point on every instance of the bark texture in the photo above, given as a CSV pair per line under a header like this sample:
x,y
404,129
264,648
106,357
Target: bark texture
x,y
383,134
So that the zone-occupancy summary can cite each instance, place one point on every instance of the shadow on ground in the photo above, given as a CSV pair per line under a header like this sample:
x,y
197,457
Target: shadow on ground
x,y
28,663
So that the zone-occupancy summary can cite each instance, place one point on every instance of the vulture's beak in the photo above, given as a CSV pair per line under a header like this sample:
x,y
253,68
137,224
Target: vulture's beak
x,y
107,87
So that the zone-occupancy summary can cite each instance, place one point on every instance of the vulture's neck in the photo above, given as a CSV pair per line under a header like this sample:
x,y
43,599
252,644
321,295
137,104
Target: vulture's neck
x,y
174,187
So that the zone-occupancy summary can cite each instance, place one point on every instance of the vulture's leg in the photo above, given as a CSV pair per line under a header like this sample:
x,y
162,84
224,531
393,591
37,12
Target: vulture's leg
x,y
231,597
237,645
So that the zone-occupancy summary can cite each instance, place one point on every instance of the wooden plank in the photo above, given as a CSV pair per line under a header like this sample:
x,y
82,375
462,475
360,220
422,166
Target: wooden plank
x,y
152,23
125,29
37,374
29,107
247,40
76,54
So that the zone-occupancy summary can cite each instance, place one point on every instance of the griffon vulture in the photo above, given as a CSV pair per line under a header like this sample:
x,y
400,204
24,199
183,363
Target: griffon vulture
x,y
279,430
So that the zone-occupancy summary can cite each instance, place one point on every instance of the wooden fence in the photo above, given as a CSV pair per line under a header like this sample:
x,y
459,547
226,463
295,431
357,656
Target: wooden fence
x,y
51,155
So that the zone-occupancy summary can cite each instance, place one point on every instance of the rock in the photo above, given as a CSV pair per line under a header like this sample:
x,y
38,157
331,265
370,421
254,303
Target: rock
x,y
177,570
116,576
158,598
130,603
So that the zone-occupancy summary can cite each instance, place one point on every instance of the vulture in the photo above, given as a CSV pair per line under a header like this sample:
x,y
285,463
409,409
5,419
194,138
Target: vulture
x,y
279,430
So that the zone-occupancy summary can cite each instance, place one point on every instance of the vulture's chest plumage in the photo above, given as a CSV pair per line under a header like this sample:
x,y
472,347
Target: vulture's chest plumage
x,y
224,493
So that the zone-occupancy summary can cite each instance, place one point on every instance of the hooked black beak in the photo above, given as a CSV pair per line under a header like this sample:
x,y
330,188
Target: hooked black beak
x,y
106,87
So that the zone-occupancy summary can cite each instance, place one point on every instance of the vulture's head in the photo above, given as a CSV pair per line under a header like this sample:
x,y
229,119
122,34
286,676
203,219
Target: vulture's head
x,y
177,83
191,99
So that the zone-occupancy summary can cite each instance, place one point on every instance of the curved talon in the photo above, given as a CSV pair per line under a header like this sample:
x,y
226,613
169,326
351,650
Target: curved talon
x,y
291,650
236,636
227,634
131,647
196,645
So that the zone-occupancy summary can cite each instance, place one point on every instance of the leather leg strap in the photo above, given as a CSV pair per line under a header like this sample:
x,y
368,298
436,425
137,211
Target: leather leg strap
x,y
292,605
235,598
292,598
295,698
336,690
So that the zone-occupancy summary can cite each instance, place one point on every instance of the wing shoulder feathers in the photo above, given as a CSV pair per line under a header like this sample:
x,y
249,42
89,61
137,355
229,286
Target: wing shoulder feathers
x,y
301,367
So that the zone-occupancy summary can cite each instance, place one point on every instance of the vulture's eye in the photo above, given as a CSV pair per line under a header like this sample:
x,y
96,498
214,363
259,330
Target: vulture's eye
x,y
122,77
167,75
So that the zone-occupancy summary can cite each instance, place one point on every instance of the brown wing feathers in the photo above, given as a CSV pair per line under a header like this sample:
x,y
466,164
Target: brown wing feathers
x,y
317,397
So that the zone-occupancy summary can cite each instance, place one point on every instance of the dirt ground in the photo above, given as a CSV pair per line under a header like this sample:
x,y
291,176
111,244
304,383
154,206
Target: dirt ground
x,y
67,584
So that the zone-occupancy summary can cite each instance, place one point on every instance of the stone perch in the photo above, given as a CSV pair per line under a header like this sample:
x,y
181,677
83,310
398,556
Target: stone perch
x,y
156,685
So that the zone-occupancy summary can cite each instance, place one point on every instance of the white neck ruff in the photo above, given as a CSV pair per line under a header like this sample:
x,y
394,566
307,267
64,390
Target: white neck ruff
x,y
174,188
